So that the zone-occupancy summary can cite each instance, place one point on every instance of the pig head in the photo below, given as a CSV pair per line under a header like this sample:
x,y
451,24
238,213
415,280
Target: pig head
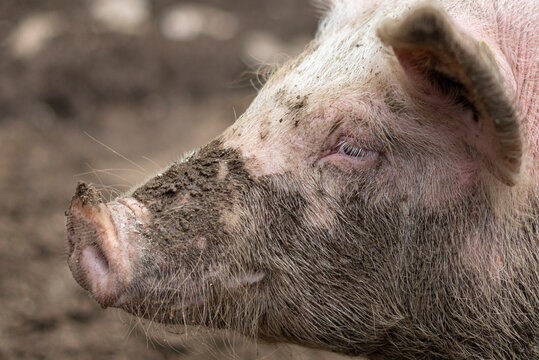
x,y
379,197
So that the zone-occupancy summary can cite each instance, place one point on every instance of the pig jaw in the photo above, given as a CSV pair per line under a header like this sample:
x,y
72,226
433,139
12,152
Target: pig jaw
x,y
101,239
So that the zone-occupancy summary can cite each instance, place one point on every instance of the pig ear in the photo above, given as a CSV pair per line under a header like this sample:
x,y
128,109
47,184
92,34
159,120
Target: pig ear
x,y
436,55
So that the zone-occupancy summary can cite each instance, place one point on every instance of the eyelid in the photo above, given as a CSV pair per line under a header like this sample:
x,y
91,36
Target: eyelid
x,y
367,146
361,143
366,153
350,149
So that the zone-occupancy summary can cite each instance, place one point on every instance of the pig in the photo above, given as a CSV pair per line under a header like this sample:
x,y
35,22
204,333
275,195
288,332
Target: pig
x,y
379,197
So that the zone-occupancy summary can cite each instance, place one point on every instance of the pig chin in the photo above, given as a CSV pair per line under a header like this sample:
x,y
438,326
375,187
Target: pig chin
x,y
102,242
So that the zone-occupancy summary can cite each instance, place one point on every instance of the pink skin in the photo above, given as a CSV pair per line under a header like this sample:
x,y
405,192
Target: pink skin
x,y
102,255
287,148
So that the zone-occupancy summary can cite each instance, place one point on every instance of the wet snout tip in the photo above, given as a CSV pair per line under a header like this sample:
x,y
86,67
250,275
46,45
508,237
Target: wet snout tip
x,y
100,259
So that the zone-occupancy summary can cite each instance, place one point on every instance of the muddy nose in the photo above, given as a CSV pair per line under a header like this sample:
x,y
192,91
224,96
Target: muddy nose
x,y
101,258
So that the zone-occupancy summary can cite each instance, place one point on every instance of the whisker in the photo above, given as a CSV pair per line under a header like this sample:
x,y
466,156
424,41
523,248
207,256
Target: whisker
x,y
152,161
115,152
107,171
101,183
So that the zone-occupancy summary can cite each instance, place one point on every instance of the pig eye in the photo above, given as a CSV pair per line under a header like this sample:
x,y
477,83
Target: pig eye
x,y
348,149
347,154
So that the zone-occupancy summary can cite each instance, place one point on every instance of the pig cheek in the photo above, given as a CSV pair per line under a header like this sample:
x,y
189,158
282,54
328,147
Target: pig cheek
x,y
319,216
483,257
460,179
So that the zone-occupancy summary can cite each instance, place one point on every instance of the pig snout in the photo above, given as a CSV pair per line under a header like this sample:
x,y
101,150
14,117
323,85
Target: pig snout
x,y
102,239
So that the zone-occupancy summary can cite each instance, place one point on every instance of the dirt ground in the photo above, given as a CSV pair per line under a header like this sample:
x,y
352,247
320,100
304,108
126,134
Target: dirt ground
x,y
81,100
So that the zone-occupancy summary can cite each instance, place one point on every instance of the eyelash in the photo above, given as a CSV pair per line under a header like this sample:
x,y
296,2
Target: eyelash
x,y
348,149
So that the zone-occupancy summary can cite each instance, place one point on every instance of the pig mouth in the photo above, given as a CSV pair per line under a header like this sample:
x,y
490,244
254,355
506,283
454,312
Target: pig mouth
x,y
179,298
197,292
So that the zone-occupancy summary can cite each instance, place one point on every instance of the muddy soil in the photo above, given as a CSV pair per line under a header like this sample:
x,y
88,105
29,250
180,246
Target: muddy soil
x,y
90,102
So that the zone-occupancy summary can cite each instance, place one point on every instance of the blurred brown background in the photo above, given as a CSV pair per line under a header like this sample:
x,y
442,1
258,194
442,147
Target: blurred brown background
x,y
149,79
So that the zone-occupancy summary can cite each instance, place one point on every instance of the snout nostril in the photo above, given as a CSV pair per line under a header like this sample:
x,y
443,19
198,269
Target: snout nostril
x,y
95,260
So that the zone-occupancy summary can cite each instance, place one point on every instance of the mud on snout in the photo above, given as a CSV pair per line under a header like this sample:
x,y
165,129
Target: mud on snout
x,y
163,247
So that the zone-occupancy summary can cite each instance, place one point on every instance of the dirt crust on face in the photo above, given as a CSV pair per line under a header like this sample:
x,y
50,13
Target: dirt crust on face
x,y
87,194
189,198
